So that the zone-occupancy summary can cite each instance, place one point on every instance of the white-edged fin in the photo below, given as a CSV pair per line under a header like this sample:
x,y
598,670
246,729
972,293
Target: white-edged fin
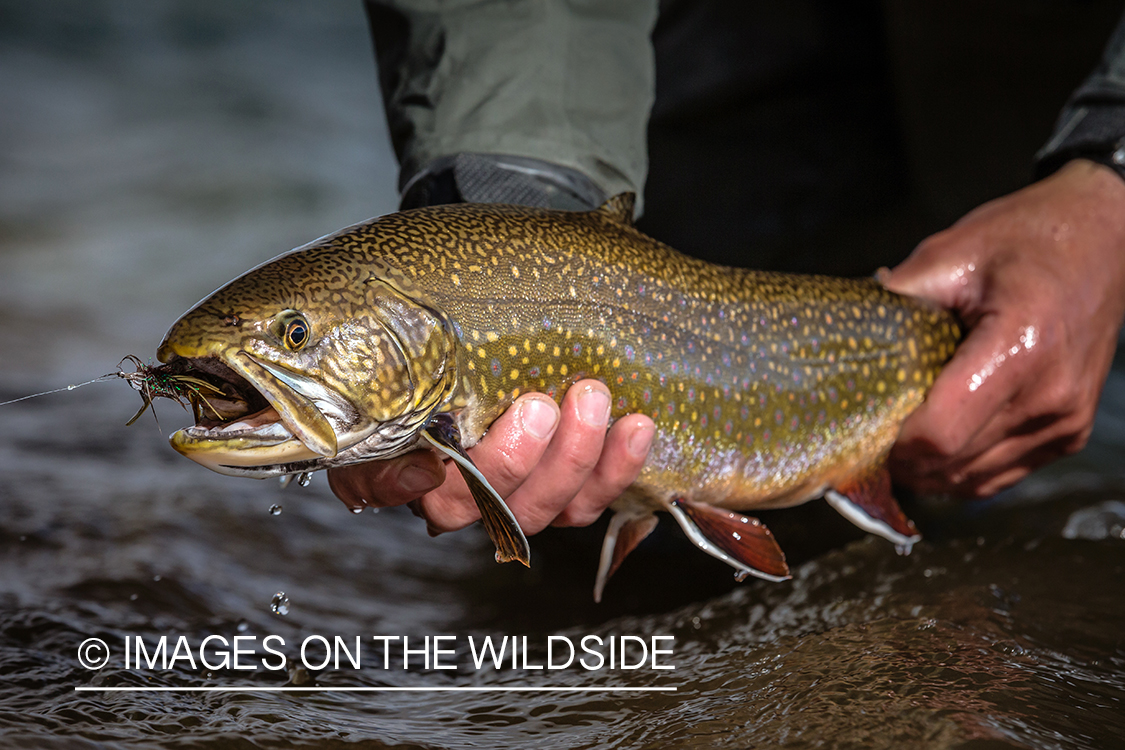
x,y
701,541
609,543
501,525
626,530
856,515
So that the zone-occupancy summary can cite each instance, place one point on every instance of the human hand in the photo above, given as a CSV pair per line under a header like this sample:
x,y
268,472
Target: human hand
x,y
1038,278
553,465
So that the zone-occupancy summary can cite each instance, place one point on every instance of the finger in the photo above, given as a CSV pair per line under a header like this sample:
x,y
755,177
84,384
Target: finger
x,y
1005,463
941,269
968,395
573,454
384,483
623,455
506,454
1002,464
986,486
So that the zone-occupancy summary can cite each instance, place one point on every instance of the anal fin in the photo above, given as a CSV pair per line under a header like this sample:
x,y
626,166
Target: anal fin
x,y
501,525
740,541
866,501
626,530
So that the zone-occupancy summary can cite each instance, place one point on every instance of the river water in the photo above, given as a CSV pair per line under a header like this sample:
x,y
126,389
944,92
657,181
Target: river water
x,y
149,152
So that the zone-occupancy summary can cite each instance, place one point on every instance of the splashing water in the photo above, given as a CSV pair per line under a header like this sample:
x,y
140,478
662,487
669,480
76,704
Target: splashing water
x,y
280,604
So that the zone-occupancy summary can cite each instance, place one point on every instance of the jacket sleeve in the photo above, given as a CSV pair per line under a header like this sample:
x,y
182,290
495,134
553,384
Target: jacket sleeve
x,y
523,84
1092,125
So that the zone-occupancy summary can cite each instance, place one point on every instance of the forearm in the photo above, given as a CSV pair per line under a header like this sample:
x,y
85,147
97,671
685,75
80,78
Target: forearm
x,y
1092,125
562,82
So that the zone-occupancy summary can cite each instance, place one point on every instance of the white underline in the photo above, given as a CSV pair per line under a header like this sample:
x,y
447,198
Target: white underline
x,y
89,689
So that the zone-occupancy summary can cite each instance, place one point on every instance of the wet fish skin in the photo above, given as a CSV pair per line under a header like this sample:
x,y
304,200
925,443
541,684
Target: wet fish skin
x,y
766,389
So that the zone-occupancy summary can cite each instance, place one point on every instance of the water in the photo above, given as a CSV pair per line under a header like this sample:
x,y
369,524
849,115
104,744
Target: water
x,y
279,605
153,150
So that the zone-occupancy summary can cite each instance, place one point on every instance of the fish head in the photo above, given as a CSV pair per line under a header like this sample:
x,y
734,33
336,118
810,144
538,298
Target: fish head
x,y
314,359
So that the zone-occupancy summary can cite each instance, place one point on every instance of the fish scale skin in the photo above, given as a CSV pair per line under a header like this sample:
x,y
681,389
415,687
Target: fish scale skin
x,y
764,387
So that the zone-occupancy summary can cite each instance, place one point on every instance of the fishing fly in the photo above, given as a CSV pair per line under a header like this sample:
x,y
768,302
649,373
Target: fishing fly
x,y
168,381
151,381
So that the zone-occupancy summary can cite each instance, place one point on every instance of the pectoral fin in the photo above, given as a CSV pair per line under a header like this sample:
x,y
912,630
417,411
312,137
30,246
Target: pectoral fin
x,y
501,525
866,501
740,541
626,530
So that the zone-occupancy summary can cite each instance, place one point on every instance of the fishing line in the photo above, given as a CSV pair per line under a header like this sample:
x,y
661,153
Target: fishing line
x,y
102,379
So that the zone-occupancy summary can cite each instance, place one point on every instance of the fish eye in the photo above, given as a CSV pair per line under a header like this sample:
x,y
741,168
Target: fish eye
x,y
296,333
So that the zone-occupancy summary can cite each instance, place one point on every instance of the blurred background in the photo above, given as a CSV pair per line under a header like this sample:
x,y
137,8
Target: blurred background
x,y
150,150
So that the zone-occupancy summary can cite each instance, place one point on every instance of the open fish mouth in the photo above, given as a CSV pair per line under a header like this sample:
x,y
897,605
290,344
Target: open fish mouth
x,y
248,412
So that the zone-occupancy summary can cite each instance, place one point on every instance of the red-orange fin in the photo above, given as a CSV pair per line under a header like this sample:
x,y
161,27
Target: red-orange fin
x,y
743,543
625,532
866,501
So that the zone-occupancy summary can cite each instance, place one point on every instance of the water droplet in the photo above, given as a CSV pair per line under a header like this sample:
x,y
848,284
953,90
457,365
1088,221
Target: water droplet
x,y
304,478
156,578
132,597
358,509
275,510
740,575
280,604
696,623
242,626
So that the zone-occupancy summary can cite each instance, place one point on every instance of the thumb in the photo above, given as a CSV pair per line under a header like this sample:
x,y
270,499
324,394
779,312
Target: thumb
x,y
938,270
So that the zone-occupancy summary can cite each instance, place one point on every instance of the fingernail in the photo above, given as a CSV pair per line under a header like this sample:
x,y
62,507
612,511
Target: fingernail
x,y
640,441
538,417
414,479
593,408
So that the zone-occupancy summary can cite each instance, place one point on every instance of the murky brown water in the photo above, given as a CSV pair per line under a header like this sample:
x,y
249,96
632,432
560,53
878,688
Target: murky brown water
x,y
149,152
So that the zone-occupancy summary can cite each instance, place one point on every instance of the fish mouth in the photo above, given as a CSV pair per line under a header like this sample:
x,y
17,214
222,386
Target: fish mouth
x,y
250,413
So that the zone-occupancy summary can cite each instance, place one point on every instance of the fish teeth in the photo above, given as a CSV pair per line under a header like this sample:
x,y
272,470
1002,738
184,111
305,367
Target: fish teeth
x,y
272,430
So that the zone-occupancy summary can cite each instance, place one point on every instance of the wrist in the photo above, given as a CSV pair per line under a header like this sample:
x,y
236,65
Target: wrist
x,y
1099,183
499,178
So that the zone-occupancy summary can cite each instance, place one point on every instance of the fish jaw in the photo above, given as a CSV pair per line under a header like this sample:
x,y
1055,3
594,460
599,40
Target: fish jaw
x,y
283,418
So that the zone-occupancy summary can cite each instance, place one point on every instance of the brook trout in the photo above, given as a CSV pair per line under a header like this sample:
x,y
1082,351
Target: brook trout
x,y
418,329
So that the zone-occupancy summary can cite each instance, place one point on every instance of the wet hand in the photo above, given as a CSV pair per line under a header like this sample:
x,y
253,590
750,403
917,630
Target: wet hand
x,y
1038,278
553,465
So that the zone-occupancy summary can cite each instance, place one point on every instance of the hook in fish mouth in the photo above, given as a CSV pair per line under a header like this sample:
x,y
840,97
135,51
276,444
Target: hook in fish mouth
x,y
248,412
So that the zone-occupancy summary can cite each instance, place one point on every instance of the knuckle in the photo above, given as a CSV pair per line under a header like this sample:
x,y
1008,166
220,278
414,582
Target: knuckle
x,y
1078,441
510,471
583,455
1060,396
582,512
943,442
